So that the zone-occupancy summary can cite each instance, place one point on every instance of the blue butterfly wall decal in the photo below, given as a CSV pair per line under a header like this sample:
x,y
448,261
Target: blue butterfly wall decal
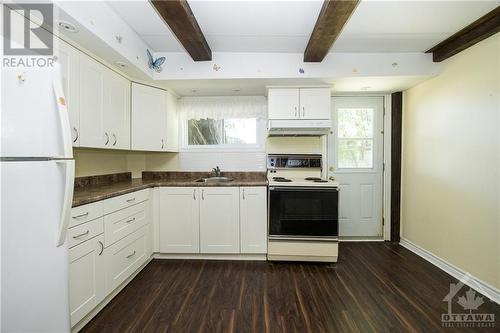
x,y
155,64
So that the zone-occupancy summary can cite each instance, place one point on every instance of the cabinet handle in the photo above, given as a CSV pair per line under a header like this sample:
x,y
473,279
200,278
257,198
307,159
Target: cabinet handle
x,y
131,255
116,140
202,194
107,139
131,220
295,112
162,144
131,200
194,194
76,134
81,235
303,111
82,215
243,194
102,247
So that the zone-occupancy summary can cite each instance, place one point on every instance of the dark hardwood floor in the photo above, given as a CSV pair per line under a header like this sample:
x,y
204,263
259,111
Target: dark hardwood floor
x,y
375,287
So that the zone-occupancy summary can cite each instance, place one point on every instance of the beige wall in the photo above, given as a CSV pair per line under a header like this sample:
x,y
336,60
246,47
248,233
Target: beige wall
x,y
294,145
451,162
91,162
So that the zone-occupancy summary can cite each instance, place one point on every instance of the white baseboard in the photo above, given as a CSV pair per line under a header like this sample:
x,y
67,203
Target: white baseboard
x,y
210,256
360,239
484,288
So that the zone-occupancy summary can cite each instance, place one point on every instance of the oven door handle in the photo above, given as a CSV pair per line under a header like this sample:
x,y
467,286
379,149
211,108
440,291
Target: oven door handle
x,y
300,188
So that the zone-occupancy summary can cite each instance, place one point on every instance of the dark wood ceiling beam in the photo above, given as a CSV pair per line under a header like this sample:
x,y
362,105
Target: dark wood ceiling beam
x,y
484,27
332,18
178,16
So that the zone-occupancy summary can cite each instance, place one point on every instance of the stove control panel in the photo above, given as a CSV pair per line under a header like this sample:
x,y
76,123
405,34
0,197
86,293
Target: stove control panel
x,y
278,161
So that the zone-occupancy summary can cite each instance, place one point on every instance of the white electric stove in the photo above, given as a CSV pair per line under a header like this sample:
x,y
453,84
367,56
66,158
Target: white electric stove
x,y
303,210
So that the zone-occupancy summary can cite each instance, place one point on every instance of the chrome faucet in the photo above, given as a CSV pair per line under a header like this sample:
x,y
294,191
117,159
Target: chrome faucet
x,y
216,171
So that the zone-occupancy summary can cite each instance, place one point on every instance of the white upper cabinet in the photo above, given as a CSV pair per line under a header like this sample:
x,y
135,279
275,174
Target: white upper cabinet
x,y
92,130
149,118
117,110
299,103
283,103
69,60
315,103
253,219
219,220
179,220
104,106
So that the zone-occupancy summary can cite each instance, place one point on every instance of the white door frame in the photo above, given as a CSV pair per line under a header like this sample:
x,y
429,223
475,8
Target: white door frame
x,y
386,174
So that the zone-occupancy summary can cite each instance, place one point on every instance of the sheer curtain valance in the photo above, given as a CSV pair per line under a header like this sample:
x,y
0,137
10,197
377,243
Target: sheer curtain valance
x,y
223,107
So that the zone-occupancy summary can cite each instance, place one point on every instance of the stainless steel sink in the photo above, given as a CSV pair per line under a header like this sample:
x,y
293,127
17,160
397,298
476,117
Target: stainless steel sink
x,y
214,180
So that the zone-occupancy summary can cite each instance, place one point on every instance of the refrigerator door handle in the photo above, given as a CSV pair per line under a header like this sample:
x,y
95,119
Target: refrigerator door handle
x,y
62,109
69,166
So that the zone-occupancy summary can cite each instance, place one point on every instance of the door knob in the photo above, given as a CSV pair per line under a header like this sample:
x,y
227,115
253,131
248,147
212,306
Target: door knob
x,y
331,168
331,178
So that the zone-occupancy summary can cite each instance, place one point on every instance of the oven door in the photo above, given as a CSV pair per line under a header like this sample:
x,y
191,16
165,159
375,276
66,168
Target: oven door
x,y
303,212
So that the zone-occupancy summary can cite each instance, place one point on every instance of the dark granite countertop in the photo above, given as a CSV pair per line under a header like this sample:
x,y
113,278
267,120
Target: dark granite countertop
x,y
97,188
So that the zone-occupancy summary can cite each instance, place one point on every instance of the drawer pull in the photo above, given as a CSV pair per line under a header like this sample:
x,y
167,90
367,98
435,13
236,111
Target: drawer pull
x,y
131,220
131,255
102,247
131,200
81,235
82,215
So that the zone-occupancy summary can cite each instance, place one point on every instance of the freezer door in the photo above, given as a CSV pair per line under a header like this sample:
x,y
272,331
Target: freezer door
x,y
34,117
34,269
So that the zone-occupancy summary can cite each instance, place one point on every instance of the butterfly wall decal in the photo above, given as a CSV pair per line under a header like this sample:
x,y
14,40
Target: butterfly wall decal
x,y
155,64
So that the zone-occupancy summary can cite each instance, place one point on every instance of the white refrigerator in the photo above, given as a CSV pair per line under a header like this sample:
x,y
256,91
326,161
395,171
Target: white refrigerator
x,y
36,181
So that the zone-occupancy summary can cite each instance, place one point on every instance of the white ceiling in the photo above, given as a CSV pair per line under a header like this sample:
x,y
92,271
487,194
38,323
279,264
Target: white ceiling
x,y
285,26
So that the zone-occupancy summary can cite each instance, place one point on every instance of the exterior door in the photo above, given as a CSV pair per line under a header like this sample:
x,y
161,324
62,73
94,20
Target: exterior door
x,y
355,159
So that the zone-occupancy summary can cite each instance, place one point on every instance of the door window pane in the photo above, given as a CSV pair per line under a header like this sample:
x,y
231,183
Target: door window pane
x,y
355,128
355,153
355,123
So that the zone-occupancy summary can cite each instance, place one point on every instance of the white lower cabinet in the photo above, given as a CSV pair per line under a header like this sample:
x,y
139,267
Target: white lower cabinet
x,y
179,220
86,277
108,240
213,220
253,219
219,220
124,257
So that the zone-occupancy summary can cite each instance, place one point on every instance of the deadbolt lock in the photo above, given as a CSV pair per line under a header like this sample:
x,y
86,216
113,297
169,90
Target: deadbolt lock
x,y
331,168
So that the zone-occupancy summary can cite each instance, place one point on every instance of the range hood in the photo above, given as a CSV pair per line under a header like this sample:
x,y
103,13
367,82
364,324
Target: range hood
x,y
299,127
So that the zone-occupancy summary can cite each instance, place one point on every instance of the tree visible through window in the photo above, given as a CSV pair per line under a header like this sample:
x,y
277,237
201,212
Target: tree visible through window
x,y
355,137
237,131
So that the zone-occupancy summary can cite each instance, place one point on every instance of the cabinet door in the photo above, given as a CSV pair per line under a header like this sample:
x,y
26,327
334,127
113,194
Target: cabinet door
x,y
219,220
253,219
179,220
149,122
86,278
69,60
283,103
92,131
117,109
315,103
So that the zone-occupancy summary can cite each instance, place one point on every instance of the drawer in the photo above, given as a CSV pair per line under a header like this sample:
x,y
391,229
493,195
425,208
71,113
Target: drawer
x,y
124,257
85,231
85,213
124,201
124,222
